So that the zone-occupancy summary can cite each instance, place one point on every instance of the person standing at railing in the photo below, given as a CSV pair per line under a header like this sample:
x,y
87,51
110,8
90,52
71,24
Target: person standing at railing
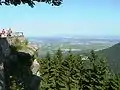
x,y
3,34
9,32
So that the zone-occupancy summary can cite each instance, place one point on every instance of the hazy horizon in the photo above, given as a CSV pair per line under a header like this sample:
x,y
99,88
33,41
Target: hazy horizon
x,y
79,37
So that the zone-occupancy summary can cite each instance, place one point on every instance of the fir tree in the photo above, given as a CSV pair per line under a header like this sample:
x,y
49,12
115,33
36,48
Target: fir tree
x,y
79,68
68,67
51,72
113,82
97,73
58,79
45,71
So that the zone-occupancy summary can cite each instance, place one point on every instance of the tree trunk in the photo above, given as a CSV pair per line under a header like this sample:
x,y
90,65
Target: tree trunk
x,y
68,86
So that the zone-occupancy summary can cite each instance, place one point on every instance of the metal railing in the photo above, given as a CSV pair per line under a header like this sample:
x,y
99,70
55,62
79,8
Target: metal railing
x,y
18,34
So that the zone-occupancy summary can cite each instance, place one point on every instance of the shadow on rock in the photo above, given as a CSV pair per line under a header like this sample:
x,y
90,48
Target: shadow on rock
x,y
16,66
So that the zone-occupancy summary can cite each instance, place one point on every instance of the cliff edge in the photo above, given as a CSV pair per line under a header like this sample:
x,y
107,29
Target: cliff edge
x,y
16,58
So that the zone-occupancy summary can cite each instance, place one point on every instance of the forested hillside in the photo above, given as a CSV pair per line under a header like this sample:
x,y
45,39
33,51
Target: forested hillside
x,y
71,72
113,56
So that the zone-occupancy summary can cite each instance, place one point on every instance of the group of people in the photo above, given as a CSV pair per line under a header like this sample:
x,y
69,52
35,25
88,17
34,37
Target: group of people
x,y
5,33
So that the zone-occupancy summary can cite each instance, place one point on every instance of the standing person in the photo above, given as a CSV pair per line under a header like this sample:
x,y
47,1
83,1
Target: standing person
x,y
3,33
9,32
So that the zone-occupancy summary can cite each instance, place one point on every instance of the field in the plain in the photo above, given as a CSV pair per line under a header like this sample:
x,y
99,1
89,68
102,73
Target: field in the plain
x,y
75,44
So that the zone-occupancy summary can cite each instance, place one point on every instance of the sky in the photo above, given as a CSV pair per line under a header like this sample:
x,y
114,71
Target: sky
x,y
72,18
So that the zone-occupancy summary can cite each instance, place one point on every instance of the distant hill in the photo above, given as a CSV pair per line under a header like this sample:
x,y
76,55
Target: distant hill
x,y
113,56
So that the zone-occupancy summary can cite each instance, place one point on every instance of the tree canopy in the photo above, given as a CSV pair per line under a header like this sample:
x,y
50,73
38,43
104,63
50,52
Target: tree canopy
x,y
71,72
30,2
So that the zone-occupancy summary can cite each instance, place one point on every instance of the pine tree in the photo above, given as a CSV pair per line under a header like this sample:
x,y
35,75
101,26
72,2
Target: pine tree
x,y
57,75
51,72
45,71
80,71
113,82
96,74
68,67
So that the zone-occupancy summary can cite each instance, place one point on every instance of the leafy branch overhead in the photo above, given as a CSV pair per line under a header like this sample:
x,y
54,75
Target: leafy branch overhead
x,y
30,2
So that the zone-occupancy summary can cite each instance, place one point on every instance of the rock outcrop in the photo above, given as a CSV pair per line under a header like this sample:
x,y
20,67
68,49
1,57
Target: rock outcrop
x,y
16,59
4,53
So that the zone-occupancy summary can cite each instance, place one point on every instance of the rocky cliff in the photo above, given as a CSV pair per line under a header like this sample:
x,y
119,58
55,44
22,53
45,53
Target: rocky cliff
x,y
16,59
4,53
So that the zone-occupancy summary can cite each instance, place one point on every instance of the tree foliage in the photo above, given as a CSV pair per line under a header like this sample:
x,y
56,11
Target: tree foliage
x,y
71,72
30,2
96,73
113,57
